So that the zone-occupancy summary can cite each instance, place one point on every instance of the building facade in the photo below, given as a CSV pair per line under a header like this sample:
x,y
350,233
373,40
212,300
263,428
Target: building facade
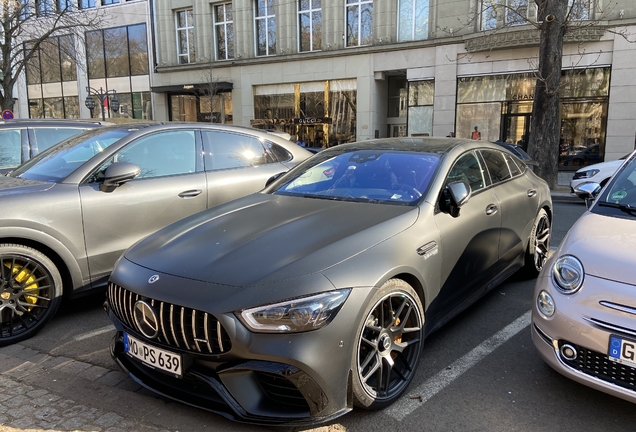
x,y
335,71
112,61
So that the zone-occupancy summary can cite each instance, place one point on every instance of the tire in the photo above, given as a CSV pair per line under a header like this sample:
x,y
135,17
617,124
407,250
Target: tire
x,y
539,245
386,353
30,292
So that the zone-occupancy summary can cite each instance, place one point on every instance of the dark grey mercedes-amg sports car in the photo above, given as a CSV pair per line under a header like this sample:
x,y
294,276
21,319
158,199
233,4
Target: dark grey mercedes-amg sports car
x,y
292,305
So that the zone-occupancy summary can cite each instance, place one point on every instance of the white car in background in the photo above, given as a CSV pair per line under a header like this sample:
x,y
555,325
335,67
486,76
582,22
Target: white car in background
x,y
598,173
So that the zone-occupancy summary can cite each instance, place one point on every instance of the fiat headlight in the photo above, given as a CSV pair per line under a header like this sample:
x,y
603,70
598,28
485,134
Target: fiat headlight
x,y
296,315
568,274
545,304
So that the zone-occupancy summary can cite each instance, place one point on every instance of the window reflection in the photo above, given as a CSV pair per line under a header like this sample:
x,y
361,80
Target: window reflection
x,y
224,31
412,20
310,25
359,22
116,51
265,22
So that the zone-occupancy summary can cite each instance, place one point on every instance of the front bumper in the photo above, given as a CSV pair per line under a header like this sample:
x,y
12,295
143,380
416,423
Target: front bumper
x,y
585,324
258,378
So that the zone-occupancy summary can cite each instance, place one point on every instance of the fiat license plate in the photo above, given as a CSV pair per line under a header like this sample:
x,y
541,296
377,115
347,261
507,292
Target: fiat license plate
x,y
152,356
622,350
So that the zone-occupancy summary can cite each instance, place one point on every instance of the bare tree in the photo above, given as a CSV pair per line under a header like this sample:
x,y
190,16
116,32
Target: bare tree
x,y
27,27
557,22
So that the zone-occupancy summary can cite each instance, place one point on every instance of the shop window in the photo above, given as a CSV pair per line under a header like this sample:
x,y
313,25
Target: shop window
x,y
359,24
413,20
310,25
224,31
185,36
265,23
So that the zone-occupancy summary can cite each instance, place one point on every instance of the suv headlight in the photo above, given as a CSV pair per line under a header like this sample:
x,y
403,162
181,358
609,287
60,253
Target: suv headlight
x,y
296,315
568,274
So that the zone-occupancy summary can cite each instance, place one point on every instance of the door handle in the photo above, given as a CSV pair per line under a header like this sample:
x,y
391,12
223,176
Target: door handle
x,y
531,193
190,193
491,209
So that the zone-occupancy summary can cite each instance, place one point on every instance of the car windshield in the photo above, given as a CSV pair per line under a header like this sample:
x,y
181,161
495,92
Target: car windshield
x,y
362,175
619,197
56,163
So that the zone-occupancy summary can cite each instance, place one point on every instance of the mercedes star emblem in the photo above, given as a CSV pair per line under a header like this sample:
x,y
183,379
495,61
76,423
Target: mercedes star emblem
x,y
153,279
146,319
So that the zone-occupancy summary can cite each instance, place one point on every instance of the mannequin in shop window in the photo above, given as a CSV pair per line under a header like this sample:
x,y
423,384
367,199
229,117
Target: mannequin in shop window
x,y
476,135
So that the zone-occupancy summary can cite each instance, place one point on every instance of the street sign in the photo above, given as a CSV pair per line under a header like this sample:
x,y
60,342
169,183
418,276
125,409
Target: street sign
x,y
7,115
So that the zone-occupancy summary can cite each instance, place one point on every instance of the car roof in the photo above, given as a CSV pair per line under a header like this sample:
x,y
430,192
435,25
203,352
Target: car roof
x,y
88,123
414,144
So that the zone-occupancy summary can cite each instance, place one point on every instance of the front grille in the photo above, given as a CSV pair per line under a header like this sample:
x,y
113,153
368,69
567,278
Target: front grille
x,y
600,366
281,390
179,327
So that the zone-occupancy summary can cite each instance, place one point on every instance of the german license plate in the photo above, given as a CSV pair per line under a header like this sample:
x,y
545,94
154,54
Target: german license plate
x,y
622,350
152,356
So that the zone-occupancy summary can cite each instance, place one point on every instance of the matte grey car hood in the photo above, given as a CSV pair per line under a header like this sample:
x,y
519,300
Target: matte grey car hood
x,y
605,245
264,238
13,185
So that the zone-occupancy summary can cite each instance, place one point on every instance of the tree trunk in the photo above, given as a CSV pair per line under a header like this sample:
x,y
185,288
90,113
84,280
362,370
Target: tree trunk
x,y
546,128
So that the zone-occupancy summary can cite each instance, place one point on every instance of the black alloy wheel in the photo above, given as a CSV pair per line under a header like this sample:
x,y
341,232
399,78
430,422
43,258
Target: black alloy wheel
x,y
389,342
30,292
539,245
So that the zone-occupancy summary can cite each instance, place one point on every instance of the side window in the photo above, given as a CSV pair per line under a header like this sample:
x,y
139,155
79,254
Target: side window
x,y
225,150
46,137
162,154
468,168
10,148
497,166
512,164
278,153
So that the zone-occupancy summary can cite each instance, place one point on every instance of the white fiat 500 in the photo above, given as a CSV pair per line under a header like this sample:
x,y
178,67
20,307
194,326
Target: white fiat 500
x,y
584,314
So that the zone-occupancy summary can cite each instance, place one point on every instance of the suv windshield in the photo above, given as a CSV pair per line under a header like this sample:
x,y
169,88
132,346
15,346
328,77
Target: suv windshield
x,y
619,196
56,163
362,175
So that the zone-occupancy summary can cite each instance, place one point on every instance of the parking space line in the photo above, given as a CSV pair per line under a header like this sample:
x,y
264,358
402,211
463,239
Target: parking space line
x,y
95,333
417,397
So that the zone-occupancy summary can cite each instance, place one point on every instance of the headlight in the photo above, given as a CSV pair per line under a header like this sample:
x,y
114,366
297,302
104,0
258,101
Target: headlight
x,y
587,173
568,274
545,304
296,315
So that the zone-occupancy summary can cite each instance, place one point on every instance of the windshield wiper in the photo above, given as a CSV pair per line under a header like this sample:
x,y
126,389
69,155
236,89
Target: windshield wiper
x,y
623,207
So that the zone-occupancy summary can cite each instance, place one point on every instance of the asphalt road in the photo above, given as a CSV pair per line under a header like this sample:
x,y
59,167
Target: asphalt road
x,y
478,373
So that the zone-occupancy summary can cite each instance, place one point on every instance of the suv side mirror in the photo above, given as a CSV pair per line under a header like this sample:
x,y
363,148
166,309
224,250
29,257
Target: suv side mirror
x,y
117,174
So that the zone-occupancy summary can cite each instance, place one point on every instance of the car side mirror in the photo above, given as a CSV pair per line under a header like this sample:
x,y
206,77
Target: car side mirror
x,y
273,178
588,191
117,174
459,193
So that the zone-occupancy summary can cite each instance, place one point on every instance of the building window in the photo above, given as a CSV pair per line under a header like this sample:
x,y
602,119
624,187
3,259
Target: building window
x,y
117,52
53,62
265,21
109,2
488,14
224,31
412,20
64,5
420,114
516,12
310,25
580,9
86,4
185,36
359,22
43,8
